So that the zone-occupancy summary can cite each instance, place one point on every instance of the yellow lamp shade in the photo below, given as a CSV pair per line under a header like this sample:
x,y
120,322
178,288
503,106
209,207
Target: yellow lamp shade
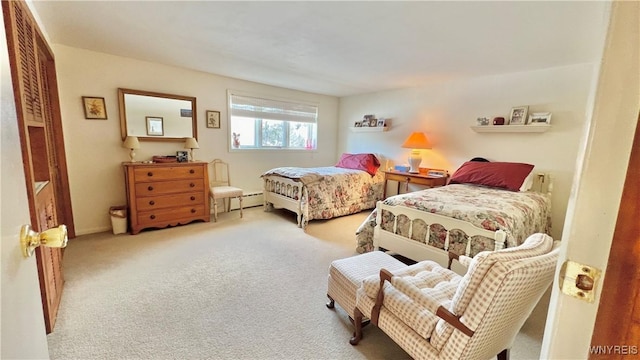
x,y
417,140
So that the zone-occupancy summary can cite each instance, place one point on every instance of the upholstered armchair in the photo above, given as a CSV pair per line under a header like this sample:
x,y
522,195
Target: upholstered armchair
x,y
434,313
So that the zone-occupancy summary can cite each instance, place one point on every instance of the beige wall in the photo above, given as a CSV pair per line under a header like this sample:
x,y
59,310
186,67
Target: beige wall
x,y
94,151
445,112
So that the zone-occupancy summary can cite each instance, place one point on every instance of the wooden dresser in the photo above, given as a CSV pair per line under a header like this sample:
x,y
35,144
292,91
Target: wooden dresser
x,y
161,195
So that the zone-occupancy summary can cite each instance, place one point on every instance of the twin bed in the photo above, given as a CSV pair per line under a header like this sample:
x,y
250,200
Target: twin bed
x,y
353,185
486,206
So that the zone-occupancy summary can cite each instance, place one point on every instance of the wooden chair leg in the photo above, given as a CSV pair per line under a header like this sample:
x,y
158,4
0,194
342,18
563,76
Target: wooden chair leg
x,y
215,210
357,323
240,200
503,355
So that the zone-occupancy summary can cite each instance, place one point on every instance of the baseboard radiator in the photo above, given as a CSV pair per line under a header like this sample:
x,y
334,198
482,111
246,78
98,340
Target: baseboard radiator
x,y
249,199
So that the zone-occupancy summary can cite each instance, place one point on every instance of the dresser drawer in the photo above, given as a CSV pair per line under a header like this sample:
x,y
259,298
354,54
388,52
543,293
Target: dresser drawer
x,y
164,216
168,173
168,187
166,201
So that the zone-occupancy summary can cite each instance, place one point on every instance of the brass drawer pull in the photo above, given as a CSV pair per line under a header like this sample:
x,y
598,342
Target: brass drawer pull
x,y
149,173
152,217
150,188
152,202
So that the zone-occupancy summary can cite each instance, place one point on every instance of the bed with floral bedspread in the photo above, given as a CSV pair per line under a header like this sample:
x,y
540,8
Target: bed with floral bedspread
x,y
519,214
322,192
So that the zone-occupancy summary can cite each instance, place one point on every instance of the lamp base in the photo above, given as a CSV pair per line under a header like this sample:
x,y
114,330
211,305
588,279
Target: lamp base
x,y
132,155
414,161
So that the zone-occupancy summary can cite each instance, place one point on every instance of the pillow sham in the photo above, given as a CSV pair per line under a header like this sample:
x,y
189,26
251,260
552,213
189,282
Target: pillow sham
x,y
366,162
502,175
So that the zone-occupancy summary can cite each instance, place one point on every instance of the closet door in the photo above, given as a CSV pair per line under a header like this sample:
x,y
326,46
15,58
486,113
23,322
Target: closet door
x,y
35,89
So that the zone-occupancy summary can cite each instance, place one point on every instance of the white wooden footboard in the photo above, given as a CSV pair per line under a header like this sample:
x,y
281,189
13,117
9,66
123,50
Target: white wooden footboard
x,y
284,193
419,251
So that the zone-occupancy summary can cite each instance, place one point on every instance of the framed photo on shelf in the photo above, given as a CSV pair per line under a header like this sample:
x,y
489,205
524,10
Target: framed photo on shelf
x,y
540,118
381,122
94,108
518,115
213,119
357,124
155,126
373,122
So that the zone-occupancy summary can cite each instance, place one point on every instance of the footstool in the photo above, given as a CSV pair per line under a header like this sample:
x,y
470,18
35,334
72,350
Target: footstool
x,y
346,275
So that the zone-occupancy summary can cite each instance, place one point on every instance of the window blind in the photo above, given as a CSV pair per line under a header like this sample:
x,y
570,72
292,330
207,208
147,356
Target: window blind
x,y
259,108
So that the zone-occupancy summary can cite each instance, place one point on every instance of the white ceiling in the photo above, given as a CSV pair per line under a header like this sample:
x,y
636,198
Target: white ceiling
x,y
334,48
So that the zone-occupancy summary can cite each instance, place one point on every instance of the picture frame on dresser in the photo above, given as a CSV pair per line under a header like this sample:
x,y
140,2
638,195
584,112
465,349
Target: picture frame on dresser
x,y
518,115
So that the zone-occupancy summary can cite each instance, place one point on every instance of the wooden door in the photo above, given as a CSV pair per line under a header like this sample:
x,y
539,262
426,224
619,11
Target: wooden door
x,y
617,330
42,145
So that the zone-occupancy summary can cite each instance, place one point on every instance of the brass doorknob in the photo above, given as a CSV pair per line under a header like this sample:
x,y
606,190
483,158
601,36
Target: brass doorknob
x,y
30,239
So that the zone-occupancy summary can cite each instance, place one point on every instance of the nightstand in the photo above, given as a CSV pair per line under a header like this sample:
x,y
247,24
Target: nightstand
x,y
409,178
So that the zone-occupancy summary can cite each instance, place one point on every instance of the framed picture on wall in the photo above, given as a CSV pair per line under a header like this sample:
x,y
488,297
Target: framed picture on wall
x,y
155,125
94,108
213,119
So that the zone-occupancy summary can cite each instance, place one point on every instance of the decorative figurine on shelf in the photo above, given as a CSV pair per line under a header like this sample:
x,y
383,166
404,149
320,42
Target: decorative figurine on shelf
x,y
236,140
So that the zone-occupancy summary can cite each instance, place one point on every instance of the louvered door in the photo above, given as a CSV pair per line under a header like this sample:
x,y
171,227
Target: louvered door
x,y
42,142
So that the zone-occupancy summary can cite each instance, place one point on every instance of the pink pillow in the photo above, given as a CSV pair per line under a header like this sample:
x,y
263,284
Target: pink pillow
x,y
366,162
503,175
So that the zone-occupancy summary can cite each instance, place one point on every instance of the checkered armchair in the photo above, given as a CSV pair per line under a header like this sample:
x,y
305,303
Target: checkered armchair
x,y
434,313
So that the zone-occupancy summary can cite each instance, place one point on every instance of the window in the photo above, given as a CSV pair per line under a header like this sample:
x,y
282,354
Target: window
x,y
261,123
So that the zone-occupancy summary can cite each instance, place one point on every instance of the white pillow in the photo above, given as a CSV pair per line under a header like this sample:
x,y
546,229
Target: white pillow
x,y
528,182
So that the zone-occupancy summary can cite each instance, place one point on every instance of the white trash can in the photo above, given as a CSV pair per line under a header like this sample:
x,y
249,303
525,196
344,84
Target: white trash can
x,y
118,219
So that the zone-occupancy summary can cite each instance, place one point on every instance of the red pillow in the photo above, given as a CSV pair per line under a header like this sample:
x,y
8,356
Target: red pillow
x,y
503,175
366,162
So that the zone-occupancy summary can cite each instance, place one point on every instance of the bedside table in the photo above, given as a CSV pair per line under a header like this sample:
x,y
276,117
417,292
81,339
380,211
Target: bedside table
x,y
409,178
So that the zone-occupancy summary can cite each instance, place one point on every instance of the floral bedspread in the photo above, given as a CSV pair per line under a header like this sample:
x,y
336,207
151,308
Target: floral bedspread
x,y
304,175
338,191
519,214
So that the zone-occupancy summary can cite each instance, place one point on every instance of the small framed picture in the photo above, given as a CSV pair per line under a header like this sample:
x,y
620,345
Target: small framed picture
x,y
518,115
381,122
94,108
364,123
540,118
213,119
182,156
357,124
155,126
373,122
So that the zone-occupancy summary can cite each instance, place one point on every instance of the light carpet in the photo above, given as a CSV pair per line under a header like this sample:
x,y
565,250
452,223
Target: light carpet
x,y
251,288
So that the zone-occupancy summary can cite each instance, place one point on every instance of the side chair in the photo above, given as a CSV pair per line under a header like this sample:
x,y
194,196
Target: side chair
x,y
220,187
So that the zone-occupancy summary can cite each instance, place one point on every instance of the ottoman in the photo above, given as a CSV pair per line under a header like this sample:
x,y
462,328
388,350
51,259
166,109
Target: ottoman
x,y
346,275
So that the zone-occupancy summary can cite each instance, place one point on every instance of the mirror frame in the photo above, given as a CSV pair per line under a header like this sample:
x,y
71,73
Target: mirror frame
x,y
123,113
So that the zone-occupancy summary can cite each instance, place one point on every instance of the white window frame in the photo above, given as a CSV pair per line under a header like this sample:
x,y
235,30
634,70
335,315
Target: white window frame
x,y
282,117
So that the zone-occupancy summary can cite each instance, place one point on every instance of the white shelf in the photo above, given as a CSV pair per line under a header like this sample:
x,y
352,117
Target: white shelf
x,y
369,129
512,128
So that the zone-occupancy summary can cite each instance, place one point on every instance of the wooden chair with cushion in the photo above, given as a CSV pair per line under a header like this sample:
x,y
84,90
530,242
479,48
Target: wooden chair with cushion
x,y
434,313
220,187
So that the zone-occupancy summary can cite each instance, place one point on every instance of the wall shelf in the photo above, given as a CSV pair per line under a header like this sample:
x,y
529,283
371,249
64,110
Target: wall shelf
x,y
369,129
511,128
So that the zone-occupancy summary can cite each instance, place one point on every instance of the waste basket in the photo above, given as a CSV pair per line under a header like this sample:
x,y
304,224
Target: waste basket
x,y
118,219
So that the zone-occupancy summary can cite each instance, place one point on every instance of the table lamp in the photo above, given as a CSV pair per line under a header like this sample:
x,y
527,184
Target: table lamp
x,y
131,142
416,141
191,143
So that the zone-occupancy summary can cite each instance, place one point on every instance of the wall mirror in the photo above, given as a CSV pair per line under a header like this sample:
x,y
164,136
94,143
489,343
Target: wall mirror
x,y
157,117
